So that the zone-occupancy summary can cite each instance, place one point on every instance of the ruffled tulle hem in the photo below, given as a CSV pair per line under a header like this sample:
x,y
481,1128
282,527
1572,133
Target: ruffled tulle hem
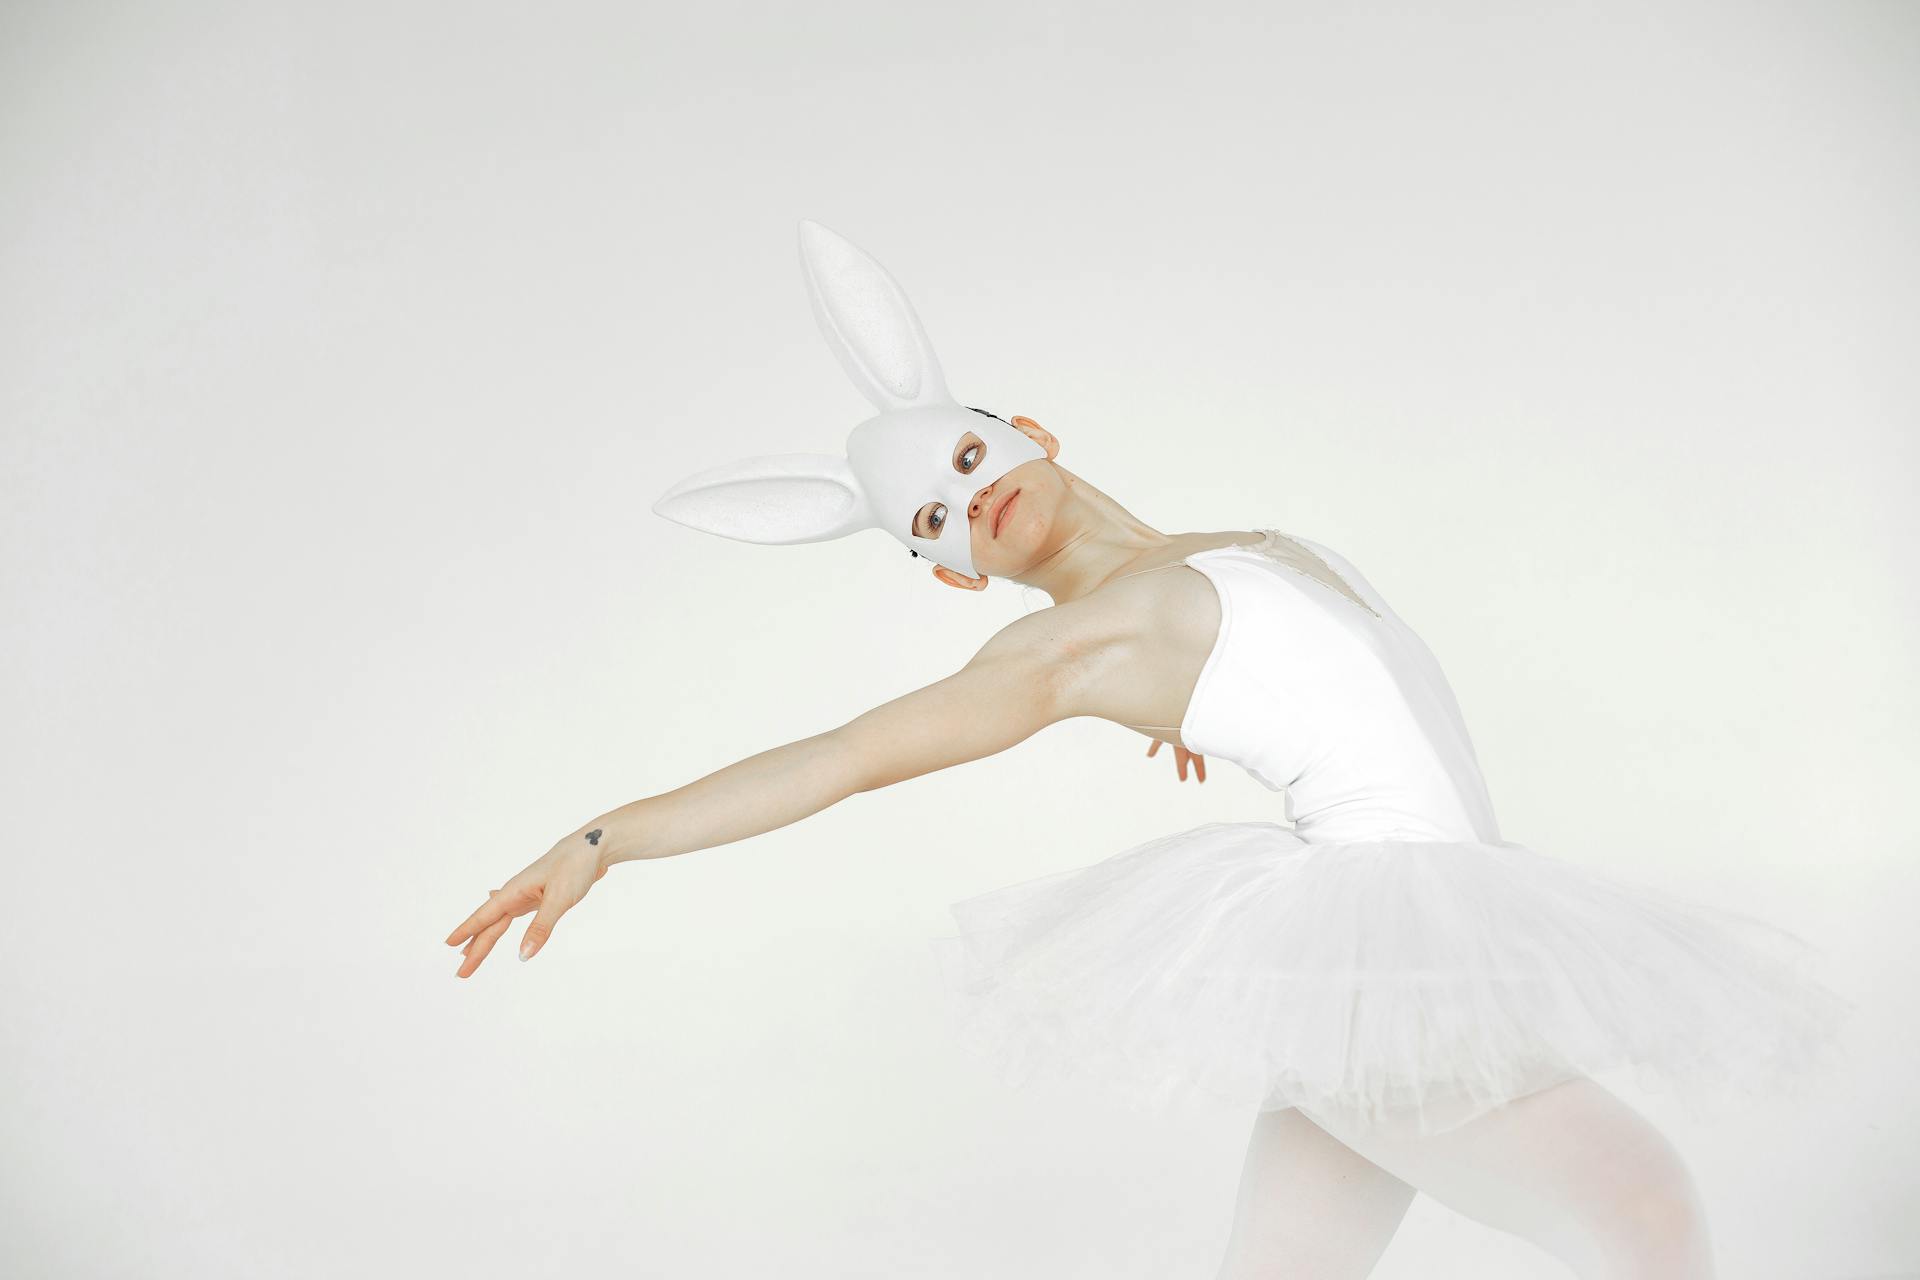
x,y
1391,982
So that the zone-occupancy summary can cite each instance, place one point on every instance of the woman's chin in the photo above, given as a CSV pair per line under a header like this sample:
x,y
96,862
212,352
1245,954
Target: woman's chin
x,y
1007,554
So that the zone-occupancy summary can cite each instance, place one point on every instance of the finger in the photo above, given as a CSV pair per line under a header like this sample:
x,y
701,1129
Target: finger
x,y
485,940
483,915
506,899
1153,745
553,905
1200,767
476,951
1180,762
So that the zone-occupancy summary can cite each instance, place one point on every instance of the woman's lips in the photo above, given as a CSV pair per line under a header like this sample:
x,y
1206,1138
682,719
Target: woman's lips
x,y
1000,516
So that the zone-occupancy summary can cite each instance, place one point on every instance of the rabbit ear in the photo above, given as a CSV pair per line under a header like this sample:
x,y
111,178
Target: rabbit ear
x,y
773,498
869,323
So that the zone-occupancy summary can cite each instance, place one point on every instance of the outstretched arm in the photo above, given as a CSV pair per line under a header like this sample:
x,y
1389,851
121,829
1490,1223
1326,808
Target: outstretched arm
x,y
1019,682
1007,692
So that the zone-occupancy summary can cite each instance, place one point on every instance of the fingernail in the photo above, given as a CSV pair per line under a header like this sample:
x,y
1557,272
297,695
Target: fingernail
x,y
524,953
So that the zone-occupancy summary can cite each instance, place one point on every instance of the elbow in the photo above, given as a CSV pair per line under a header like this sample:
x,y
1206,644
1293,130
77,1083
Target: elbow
x,y
854,765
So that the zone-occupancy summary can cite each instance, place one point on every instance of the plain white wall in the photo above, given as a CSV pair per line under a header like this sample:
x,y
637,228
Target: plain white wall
x,y
344,347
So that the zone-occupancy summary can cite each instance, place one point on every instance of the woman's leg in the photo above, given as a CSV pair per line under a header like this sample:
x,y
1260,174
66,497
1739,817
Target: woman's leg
x,y
1309,1207
1574,1170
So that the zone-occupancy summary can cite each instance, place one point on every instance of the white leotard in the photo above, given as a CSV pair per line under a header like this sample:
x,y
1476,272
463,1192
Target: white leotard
x,y
1316,687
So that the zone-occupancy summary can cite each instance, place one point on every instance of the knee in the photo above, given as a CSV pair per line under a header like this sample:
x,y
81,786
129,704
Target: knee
x,y
1659,1232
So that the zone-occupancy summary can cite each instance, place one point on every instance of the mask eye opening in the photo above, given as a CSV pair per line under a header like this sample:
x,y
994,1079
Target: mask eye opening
x,y
914,528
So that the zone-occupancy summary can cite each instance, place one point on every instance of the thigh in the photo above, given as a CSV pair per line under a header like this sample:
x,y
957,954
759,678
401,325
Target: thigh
x,y
1309,1206
1572,1168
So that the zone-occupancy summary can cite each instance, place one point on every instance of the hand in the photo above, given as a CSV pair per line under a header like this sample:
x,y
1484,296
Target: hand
x,y
1180,757
552,885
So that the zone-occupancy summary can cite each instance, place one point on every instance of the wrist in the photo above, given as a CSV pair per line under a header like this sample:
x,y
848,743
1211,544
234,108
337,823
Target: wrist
x,y
622,835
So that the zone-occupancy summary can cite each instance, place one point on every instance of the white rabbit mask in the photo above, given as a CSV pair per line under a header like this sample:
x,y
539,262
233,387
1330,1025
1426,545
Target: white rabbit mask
x,y
895,463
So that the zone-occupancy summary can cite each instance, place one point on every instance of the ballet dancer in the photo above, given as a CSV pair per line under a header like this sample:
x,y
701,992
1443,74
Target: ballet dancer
x,y
1406,1001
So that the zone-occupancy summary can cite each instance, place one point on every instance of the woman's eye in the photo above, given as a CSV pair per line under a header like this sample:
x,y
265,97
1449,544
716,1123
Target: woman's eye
x,y
936,521
971,451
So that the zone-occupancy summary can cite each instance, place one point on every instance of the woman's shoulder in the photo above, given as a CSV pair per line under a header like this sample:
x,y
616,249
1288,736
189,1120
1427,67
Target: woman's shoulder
x,y
1133,604
1140,604
1139,640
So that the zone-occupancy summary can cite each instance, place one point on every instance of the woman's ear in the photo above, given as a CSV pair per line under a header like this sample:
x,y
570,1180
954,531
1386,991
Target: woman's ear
x,y
953,579
1038,434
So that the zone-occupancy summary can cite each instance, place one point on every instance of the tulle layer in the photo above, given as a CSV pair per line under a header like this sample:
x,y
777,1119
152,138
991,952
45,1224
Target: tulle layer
x,y
1381,982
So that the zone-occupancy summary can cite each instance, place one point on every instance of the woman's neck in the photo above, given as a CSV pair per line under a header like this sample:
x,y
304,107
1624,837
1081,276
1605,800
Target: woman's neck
x,y
1101,540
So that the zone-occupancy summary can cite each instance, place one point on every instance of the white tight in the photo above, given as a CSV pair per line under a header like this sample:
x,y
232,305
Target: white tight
x,y
1572,1169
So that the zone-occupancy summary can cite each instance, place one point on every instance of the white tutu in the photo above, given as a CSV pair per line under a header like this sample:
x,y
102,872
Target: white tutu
x,y
1388,981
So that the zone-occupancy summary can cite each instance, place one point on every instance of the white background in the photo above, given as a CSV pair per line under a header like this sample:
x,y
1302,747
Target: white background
x,y
344,347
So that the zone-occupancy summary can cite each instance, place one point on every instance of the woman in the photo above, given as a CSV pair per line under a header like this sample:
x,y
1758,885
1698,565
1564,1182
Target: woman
x,y
1409,1002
